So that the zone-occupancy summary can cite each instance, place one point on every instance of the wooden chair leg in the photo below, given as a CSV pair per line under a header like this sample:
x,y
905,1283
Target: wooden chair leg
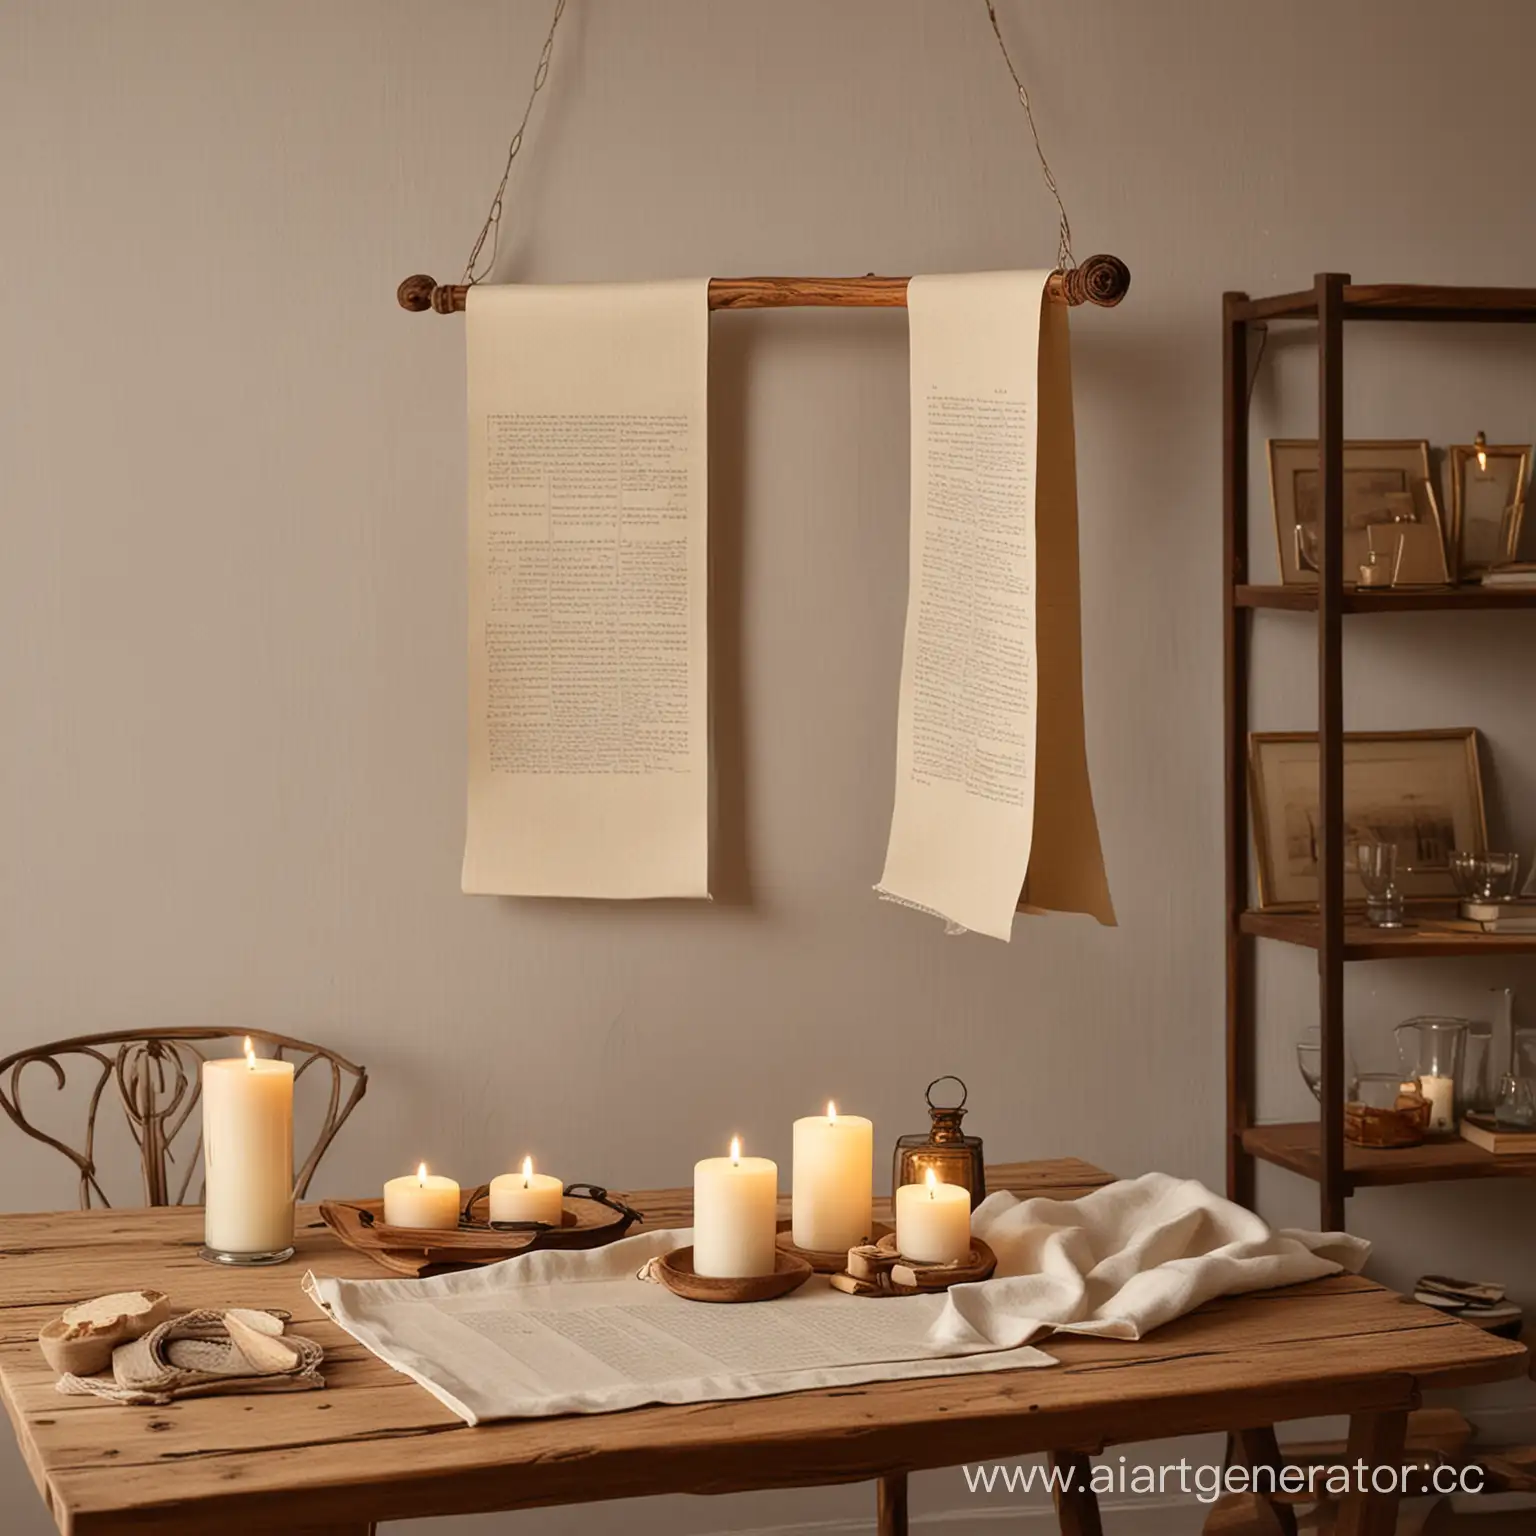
x,y
1261,1449
1377,1440
1077,1506
891,1504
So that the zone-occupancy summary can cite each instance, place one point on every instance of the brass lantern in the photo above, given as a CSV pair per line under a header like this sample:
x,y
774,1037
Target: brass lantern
x,y
954,1157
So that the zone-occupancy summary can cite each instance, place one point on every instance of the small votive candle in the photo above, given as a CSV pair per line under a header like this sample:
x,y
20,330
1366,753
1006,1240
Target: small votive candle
x,y
528,1196
1441,1094
933,1222
423,1200
735,1215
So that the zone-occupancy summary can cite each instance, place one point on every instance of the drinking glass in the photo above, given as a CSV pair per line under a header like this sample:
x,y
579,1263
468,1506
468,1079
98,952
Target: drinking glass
x,y
1484,879
1377,865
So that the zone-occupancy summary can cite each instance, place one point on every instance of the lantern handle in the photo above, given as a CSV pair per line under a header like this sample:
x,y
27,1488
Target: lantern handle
x,y
949,1077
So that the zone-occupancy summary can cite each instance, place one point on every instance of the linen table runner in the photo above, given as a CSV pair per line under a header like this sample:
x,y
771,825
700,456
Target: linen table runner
x,y
579,1332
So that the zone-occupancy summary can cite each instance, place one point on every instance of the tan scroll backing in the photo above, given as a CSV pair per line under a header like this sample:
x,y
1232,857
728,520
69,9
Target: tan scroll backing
x,y
992,796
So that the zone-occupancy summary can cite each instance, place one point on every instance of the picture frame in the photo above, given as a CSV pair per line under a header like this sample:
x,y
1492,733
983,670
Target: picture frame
x,y
1422,790
1488,486
1387,483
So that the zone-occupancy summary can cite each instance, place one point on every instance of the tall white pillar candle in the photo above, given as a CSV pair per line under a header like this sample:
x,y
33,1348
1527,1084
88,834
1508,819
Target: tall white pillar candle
x,y
1441,1093
933,1222
248,1154
833,1181
427,1201
735,1211
528,1196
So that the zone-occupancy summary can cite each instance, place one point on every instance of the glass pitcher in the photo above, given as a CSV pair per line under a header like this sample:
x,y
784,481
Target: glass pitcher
x,y
1433,1050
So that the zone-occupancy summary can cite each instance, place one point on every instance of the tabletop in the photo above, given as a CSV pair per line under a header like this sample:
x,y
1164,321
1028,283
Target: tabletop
x,y
374,1446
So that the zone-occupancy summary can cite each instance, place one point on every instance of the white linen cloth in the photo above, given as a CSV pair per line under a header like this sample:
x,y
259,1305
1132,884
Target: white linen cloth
x,y
548,1333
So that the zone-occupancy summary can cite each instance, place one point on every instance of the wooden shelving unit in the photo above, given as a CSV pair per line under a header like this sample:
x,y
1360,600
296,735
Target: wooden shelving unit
x,y
1318,1150
1298,1148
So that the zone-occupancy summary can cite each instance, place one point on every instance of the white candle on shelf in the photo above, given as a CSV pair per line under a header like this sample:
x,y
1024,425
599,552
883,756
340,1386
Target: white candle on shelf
x,y
527,1196
735,1215
933,1222
424,1200
248,1156
832,1185
1441,1093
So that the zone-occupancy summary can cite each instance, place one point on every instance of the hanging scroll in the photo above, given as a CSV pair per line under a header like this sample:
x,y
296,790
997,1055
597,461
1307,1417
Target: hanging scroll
x,y
588,661
992,797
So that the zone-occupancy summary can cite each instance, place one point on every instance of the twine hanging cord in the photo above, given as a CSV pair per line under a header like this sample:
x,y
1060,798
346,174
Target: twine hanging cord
x,y
475,271
491,229
1064,257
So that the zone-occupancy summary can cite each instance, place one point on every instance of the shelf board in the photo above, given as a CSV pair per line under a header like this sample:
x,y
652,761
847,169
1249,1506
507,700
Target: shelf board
x,y
1297,599
1402,301
1297,1147
1362,942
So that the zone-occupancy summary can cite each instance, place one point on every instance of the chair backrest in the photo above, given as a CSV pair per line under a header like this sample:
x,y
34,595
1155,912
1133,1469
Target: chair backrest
x,y
157,1074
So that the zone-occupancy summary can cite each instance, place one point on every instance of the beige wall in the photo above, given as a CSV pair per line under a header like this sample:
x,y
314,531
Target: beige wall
x,y
232,569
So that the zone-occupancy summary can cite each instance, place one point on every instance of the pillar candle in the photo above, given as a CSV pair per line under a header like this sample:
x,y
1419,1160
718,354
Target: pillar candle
x,y
423,1200
833,1180
248,1154
735,1215
528,1196
933,1222
1441,1093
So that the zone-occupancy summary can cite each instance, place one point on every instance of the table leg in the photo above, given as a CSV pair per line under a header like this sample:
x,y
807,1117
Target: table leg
x,y
1077,1507
1377,1440
1261,1449
891,1504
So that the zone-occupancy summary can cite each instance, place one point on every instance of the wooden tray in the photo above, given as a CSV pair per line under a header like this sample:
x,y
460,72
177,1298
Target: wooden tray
x,y
675,1271
591,1218
878,1269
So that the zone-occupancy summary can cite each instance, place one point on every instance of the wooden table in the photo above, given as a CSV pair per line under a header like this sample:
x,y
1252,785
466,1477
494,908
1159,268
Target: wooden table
x,y
376,1447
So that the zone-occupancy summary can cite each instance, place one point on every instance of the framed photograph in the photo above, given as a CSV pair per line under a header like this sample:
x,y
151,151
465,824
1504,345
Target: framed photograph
x,y
1422,791
1487,504
1390,510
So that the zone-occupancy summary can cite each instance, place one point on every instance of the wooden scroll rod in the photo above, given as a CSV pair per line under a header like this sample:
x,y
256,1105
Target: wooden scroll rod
x,y
1102,280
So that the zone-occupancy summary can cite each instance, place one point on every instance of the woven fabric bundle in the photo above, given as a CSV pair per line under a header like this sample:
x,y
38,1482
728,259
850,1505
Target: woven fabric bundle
x,y
202,1354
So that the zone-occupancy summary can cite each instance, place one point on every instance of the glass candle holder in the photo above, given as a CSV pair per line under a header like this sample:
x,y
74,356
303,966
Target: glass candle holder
x,y
1433,1049
1485,881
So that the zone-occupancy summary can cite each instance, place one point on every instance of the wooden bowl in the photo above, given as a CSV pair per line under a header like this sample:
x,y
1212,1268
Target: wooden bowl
x,y
675,1271
825,1261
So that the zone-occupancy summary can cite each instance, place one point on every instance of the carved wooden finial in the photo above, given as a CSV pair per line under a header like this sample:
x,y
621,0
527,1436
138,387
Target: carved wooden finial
x,y
1102,280
415,293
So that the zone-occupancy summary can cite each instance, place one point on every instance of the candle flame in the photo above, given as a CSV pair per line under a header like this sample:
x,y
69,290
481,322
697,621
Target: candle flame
x,y
831,1113
421,1175
250,1054
735,1151
1481,444
527,1171
932,1185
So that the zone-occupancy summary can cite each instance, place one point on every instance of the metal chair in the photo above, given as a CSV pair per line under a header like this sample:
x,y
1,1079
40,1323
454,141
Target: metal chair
x,y
158,1076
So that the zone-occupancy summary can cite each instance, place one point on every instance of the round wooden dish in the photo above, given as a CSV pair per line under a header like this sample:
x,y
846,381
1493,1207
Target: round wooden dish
x,y
675,1271
825,1261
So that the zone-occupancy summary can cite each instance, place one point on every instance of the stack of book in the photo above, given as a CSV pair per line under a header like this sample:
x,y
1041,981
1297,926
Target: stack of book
x,y
1482,1302
1512,573
1483,1131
